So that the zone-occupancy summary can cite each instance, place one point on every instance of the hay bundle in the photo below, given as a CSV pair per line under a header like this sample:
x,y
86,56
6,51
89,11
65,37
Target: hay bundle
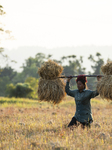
x,y
50,70
51,88
104,86
107,69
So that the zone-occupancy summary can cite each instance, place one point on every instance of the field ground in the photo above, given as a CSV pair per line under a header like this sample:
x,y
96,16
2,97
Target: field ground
x,y
31,125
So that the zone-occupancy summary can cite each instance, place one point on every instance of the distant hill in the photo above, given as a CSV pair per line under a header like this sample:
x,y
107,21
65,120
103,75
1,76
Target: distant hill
x,y
24,52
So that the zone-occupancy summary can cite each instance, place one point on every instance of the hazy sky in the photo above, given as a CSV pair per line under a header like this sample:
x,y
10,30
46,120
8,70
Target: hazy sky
x,y
59,23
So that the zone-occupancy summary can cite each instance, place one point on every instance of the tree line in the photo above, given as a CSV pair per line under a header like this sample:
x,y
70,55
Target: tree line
x,y
25,83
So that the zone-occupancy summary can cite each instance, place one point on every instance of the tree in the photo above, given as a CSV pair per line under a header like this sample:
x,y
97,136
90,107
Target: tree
x,y
3,84
96,67
31,65
97,63
74,67
6,76
40,58
8,71
33,82
19,90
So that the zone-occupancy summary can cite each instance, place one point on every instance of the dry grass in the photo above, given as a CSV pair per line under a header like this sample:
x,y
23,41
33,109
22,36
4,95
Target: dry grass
x,y
51,90
43,126
50,70
107,68
104,87
50,87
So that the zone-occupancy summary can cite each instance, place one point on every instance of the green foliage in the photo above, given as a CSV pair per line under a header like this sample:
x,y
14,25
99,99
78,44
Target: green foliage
x,y
33,82
37,61
31,65
19,90
19,78
6,76
97,63
74,67
27,89
8,71
23,89
30,71
3,83
19,102
10,90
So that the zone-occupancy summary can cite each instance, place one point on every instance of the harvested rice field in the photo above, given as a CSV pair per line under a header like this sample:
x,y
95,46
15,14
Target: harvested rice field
x,y
31,125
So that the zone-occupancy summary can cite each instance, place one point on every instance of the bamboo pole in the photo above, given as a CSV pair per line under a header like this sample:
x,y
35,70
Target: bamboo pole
x,y
84,75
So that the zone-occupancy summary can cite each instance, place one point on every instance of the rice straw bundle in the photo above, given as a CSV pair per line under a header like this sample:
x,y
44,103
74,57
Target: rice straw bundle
x,y
107,69
104,86
50,70
51,88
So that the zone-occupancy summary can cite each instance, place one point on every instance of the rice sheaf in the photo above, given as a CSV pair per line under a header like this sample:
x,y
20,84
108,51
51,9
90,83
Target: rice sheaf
x,y
104,86
50,87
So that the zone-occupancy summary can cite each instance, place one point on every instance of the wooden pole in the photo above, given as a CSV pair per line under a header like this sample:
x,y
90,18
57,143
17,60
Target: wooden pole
x,y
84,75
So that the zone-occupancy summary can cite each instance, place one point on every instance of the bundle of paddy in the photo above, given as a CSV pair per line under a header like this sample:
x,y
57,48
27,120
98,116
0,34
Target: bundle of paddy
x,y
51,88
104,86
50,70
107,69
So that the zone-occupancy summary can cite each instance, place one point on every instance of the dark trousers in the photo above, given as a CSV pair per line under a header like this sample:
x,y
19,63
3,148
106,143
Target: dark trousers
x,y
76,123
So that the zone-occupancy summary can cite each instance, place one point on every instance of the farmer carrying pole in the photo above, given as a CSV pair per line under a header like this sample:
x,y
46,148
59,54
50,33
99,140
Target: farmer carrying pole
x,y
82,97
51,86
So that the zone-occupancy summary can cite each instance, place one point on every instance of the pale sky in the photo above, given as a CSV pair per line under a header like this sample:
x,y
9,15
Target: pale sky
x,y
59,23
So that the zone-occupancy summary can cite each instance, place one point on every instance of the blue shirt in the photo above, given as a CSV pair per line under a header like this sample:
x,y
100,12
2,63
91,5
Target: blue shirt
x,y
82,100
